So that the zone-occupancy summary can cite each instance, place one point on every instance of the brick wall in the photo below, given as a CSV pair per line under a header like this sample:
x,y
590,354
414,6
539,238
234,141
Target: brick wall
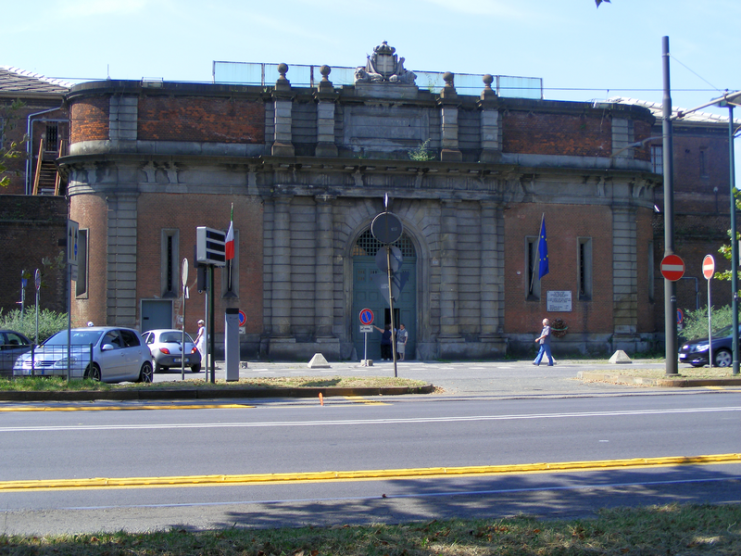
x,y
89,119
201,119
564,224
556,134
193,211
91,213
694,237
30,230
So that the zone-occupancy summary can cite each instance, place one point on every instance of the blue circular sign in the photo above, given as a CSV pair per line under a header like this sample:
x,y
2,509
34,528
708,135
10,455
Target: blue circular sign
x,y
242,318
366,316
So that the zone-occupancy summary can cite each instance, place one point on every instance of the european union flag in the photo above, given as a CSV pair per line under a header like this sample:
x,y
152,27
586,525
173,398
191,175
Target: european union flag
x,y
542,252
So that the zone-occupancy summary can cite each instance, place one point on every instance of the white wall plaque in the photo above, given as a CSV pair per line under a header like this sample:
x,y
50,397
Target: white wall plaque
x,y
559,302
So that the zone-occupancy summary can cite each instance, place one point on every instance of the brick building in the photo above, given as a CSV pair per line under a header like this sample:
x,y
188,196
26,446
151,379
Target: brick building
x,y
307,168
33,211
701,203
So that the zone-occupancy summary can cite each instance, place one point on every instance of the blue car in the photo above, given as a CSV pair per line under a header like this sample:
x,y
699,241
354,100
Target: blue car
x,y
696,352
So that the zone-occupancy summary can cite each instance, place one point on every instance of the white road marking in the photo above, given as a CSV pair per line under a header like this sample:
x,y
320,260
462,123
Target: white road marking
x,y
356,422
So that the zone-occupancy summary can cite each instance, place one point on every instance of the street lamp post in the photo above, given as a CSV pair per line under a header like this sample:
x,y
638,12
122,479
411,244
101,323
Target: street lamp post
x,y
734,241
730,100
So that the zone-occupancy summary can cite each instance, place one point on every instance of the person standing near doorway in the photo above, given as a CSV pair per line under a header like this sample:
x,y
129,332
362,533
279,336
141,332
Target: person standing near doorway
x,y
385,342
545,344
401,341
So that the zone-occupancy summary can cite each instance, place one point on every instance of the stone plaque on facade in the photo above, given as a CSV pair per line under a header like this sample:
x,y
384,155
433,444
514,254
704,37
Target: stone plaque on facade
x,y
559,302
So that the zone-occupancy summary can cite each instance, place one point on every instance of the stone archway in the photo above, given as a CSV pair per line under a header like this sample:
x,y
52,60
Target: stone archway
x,y
367,295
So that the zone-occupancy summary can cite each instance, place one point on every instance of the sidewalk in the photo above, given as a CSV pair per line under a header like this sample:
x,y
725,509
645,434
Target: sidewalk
x,y
487,379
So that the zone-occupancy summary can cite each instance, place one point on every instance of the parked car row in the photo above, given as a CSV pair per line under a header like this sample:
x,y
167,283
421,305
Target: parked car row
x,y
103,353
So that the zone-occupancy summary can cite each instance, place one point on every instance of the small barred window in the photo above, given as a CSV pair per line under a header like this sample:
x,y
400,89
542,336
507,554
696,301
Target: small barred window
x,y
368,246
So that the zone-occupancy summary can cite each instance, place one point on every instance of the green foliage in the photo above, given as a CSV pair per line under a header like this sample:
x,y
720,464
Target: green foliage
x,y
50,322
696,322
13,149
422,153
725,250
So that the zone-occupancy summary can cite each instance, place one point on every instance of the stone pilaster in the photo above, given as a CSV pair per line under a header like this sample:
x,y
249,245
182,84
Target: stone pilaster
x,y
326,99
624,277
449,325
282,270
121,272
489,285
283,99
123,118
491,147
324,284
450,151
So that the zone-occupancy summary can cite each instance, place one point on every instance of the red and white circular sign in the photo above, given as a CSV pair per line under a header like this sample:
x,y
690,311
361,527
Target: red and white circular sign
x,y
708,267
672,267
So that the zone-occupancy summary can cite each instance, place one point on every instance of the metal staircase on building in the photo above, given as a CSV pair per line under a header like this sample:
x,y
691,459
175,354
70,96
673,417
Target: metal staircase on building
x,y
47,180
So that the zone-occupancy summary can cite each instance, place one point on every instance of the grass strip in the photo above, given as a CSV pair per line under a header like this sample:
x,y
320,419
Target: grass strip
x,y
59,384
668,529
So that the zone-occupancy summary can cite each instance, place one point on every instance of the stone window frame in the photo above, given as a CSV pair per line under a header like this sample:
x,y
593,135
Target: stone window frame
x,y
83,250
584,266
531,268
169,268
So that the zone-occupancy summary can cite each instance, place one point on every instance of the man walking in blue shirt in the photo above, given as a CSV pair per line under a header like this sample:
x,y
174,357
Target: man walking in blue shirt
x,y
545,344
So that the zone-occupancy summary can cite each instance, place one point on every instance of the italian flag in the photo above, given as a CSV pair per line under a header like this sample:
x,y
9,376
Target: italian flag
x,y
229,251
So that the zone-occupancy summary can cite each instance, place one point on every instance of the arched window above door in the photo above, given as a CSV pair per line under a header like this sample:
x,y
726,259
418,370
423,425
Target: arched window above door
x,y
368,246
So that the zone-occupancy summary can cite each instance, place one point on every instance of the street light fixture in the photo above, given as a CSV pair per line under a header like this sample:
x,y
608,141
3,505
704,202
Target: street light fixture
x,y
730,100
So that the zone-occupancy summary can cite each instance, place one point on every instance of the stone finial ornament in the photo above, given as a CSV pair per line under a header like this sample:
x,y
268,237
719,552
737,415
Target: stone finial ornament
x,y
488,93
384,66
325,71
449,78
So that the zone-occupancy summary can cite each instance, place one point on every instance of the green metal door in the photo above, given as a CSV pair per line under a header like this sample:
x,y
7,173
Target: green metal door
x,y
366,295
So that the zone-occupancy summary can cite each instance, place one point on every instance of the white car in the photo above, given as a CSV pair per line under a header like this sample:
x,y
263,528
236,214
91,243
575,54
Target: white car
x,y
105,353
167,351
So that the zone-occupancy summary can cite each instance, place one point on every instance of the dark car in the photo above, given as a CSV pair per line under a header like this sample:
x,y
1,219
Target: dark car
x,y
12,345
696,352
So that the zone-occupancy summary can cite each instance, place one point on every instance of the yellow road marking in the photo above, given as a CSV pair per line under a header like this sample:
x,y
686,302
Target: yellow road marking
x,y
126,407
360,399
368,475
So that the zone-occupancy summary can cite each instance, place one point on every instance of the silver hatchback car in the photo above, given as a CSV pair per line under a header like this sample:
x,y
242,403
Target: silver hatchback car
x,y
165,345
105,353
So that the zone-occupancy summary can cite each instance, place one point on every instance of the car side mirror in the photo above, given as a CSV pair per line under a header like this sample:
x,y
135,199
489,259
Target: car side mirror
x,y
106,347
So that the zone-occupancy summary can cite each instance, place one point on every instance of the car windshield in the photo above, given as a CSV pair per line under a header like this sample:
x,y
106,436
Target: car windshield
x,y
78,337
725,331
174,338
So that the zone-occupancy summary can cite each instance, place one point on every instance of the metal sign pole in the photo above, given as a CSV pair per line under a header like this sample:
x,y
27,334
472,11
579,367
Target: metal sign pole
x,y
391,306
184,280
212,342
710,329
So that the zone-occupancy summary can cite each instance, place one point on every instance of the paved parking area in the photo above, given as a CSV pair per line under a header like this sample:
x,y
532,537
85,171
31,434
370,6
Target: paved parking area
x,y
490,378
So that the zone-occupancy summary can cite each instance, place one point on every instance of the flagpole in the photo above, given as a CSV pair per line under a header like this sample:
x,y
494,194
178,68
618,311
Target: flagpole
x,y
537,252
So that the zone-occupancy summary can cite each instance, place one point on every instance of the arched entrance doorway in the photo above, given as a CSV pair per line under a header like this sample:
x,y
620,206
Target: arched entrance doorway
x,y
366,294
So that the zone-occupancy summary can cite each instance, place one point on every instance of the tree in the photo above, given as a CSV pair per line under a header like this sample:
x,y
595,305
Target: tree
x,y
13,149
725,250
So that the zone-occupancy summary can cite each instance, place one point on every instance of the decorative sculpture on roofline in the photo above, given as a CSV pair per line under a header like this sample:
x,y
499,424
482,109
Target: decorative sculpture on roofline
x,y
384,66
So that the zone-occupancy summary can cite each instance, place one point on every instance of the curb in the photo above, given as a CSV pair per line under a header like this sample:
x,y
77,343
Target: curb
x,y
659,382
209,393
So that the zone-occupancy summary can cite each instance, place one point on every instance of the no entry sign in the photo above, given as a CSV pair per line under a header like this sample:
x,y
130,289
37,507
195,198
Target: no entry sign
x,y
708,267
672,267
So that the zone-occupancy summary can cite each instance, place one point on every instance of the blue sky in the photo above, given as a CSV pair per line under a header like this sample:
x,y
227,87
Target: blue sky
x,y
581,52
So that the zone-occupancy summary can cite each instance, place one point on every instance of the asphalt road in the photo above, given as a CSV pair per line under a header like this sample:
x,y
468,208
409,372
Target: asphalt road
x,y
470,425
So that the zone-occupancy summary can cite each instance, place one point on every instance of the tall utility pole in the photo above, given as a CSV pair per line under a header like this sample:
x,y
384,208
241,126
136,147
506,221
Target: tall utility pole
x,y
670,288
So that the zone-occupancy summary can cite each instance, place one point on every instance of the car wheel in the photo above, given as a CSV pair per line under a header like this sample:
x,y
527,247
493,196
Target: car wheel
x,y
722,358
92,372
196,368
145,375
